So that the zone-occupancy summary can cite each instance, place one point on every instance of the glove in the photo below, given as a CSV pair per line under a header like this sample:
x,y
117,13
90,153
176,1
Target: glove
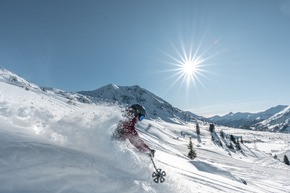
x,y
152,152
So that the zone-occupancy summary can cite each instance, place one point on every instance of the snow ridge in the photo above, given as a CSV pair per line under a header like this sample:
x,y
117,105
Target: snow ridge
x,y
11,78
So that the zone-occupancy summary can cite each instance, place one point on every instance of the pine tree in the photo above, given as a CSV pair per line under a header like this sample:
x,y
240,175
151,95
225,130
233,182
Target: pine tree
x,y
238,146
233,139
286,161
191,153
211,128
197,129
222,134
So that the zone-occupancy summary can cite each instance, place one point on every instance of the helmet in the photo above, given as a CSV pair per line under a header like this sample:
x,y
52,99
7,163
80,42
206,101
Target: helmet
x,y
138,110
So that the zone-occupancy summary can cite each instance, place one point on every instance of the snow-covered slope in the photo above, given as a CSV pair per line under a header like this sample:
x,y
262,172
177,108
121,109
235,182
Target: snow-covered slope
x,y
246,120
279,122
50,144
11,78
155,106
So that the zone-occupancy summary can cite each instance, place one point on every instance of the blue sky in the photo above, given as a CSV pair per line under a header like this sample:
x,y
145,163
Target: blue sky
x,y
242,48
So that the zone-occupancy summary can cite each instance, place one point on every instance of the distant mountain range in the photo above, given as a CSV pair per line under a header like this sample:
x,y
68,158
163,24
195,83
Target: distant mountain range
x,y
274,119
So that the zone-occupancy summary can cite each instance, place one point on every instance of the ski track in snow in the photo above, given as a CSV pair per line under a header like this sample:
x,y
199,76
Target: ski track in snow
x,y
50,145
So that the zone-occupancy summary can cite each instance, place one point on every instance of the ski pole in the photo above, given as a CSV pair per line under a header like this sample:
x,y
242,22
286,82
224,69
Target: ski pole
x,y
153,162
158,175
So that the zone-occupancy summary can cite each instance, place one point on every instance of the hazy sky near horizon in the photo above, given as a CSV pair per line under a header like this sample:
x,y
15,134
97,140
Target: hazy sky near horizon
x,y
241,48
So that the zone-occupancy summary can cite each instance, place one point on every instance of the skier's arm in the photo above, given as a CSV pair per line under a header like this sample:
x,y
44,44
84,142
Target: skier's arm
x,y
138,142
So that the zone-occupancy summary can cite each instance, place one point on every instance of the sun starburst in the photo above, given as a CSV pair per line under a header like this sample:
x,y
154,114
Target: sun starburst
x,y
188,65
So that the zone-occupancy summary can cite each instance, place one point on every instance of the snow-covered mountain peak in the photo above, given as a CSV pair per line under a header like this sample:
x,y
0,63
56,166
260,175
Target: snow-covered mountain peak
x,y
126,95
11,78
111,87
250,120
278,122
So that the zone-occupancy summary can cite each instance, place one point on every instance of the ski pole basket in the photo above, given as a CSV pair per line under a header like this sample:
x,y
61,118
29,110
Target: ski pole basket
x,y
158,175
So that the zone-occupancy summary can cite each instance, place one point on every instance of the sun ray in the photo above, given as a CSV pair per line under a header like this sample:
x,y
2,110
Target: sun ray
x,y
188,64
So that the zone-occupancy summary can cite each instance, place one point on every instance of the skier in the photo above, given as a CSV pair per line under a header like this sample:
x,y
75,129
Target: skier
x,y
126,129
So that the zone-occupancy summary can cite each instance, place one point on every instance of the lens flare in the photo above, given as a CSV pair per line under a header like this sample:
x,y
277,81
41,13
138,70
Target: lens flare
x,y
189,68
188,65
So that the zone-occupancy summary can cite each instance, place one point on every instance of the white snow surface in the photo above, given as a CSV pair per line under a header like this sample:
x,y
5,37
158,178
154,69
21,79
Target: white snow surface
x,y
50,145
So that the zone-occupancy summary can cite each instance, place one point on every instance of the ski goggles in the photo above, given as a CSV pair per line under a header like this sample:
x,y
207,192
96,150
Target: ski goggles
x,y
141,117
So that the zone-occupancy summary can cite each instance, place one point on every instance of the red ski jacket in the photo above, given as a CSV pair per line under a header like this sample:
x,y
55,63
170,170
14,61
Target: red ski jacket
x,y
126,130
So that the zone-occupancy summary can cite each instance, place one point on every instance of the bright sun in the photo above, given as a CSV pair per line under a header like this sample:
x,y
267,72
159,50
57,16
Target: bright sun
x,y
187,67
189,62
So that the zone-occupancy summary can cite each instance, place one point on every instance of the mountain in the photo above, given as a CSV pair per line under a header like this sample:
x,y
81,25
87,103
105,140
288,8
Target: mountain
x,y
52,142
279,122
155,106
14,79
248,120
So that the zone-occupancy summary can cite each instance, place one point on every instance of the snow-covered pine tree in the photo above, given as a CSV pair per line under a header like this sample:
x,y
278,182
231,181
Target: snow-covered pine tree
x,y
238,146
286,161
211,128
222,134
191,153
197,129
233,139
